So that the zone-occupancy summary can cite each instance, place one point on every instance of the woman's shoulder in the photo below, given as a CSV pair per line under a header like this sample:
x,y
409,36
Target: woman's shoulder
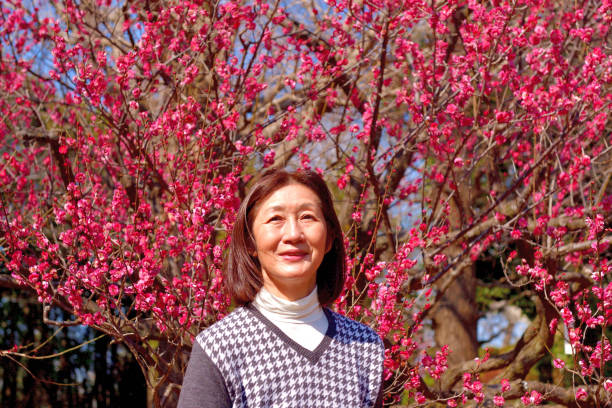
x,y
355,331
227,328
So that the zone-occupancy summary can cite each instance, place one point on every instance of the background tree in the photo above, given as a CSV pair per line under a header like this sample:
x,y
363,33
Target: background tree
x,y
468,144
61,367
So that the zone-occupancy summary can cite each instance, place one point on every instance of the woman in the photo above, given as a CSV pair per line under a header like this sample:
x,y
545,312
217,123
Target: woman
x,y
282,347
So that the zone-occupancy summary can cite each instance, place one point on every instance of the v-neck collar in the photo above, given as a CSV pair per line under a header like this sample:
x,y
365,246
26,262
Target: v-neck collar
x,y
312,356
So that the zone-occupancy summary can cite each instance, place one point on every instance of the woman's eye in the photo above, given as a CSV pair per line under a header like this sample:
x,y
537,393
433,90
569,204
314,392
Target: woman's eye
x,y
275,218
308,217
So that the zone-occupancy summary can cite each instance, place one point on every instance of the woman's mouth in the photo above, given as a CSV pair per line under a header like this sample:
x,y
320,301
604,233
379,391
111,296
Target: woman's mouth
x,y
293,256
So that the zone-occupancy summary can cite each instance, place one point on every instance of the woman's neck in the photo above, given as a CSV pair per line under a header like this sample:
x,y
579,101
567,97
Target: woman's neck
x,y
305,310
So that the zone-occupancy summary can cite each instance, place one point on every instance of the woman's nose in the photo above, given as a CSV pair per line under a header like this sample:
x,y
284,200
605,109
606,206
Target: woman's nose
x,y
293,230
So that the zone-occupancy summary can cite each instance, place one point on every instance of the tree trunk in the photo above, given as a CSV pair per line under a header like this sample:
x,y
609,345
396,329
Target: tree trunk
x,y
165,379
455,318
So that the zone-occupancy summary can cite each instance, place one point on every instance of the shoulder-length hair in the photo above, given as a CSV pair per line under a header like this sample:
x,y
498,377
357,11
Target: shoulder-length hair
x,y
243,277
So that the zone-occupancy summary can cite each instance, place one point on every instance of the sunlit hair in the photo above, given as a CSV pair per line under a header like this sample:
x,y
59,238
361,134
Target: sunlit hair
x,y
243,273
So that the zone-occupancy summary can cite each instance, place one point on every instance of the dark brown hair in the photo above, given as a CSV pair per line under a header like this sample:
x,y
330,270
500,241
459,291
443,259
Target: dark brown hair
x,y
243,277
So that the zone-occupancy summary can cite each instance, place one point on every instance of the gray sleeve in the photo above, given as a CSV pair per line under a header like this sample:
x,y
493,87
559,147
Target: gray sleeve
x,y
203,384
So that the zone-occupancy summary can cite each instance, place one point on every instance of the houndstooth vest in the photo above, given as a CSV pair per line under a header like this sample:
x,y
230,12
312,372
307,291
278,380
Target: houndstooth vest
x,y
262,367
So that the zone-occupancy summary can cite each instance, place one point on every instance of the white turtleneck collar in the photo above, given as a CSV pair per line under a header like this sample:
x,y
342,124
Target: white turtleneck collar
x,y
297,311
303,320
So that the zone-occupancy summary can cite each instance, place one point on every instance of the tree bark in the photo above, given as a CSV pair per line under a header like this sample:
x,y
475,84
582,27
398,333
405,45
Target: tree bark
x,y
455,318
455,315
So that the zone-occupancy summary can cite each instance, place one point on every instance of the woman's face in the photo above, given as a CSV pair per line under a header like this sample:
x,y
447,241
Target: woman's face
x,y
291,240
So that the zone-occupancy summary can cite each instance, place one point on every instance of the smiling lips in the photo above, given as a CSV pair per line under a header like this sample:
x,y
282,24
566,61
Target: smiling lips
x,y
293,256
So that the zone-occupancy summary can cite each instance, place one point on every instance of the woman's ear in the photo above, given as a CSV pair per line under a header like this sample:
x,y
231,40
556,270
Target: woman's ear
x,y
252,250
